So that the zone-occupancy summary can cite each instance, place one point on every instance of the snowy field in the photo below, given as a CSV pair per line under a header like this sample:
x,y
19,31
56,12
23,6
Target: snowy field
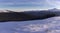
x,y
50,25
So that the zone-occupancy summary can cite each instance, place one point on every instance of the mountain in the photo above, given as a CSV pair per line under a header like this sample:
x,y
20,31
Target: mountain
x,y
54,9
24,16
9,15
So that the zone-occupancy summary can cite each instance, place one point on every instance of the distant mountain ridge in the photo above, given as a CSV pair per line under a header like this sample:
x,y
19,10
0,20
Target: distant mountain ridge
x,y
28,15
54,9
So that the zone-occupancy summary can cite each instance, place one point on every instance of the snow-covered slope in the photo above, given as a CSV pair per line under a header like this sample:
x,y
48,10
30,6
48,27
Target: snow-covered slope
x,y
50,25
1,11
54,9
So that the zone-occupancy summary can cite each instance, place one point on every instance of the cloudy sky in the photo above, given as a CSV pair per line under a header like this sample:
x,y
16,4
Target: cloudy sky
x,y
29,4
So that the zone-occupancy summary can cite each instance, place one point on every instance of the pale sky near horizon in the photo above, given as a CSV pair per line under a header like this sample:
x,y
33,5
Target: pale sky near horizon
x,y
29,4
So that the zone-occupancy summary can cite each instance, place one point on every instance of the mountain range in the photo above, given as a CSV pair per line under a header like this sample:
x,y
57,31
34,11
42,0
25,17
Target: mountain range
x,y
8,15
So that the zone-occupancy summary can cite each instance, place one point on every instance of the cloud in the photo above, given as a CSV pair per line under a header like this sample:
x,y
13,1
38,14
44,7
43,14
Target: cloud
x,y
51,27
15,3
54,31
34,28
21,2
55,3
26,4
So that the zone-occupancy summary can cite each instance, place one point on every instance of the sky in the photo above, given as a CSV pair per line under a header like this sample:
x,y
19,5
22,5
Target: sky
x,y
29,4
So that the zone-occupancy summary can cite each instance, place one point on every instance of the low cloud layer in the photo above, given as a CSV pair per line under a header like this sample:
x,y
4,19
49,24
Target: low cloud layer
x,y
51,27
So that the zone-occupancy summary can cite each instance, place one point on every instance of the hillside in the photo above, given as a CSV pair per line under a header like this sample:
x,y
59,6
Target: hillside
x,y
24,16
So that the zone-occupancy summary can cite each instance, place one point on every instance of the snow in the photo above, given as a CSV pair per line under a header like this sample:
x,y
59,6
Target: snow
x,y
50,25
